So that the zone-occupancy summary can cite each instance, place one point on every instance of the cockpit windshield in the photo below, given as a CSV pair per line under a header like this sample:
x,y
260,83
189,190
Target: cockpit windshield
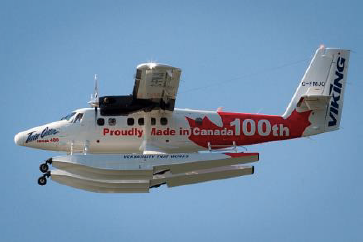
x,y
78,118
69,116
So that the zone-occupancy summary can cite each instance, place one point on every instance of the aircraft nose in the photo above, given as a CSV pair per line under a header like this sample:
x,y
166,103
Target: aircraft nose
x,y
19,139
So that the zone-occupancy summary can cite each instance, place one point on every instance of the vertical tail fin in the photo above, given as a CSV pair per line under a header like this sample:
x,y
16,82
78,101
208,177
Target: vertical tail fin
x,y
321,90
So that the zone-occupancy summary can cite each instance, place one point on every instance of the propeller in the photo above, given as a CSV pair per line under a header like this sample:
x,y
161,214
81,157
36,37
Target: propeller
x,y
94,102
94,97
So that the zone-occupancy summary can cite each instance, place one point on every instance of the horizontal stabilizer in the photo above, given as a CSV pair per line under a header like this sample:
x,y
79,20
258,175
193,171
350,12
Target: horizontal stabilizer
x,y
313,102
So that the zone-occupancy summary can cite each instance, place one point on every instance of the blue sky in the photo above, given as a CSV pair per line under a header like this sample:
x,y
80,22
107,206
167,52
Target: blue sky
x,y
245,56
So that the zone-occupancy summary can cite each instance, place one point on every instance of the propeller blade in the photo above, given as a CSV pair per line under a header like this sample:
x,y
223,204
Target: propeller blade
x,y
94,97
95,115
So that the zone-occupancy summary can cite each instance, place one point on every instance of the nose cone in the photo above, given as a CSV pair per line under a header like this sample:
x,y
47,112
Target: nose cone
x,y
19,139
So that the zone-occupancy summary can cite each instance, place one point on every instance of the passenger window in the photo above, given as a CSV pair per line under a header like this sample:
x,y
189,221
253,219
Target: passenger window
x,y
140,121
78,118
163,121
153,121
130,121
100,122
112,121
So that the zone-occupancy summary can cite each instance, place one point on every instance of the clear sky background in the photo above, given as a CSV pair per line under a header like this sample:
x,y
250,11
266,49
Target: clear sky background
x,y
245,56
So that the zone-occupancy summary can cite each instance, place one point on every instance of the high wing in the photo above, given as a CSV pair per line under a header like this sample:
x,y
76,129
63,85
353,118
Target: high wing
x,y
158,83
156,87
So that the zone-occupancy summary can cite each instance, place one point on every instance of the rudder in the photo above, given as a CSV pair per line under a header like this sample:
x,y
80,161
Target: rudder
x,y
335,89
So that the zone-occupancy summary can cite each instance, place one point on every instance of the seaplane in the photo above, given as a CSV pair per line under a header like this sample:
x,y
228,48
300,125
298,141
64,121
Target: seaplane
x,y
132,143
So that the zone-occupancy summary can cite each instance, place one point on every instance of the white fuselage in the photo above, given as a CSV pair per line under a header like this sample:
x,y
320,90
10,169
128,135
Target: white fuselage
x,y
135,133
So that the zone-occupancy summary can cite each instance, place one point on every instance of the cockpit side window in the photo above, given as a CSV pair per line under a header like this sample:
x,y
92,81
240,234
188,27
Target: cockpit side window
x,y
78,118
69,116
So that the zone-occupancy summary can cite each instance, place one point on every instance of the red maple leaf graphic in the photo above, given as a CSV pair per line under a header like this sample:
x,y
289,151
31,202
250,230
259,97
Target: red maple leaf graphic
x,y
206,131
